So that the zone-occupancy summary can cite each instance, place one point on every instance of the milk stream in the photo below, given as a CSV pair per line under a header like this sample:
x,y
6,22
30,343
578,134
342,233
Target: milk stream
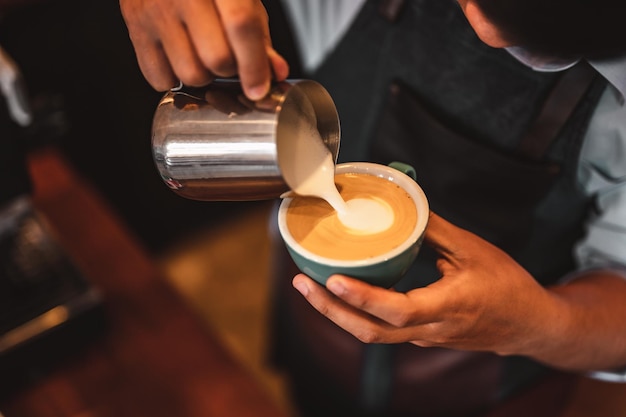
x,y
309,170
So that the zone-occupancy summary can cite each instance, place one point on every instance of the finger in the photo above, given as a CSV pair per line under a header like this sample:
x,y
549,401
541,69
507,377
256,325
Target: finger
x,y
182,55
245,27
207,35
366,328
280,66
151,58
446,238
154,64
418,307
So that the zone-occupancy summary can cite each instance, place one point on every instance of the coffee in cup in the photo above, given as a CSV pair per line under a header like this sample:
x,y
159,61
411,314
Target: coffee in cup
x,y
317,227
378,249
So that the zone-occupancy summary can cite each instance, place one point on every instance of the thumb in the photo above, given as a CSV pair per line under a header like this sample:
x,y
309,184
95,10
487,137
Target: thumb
x,y
447,239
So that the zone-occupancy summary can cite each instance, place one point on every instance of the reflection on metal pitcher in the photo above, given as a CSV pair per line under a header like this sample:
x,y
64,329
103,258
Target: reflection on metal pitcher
x,y
213,143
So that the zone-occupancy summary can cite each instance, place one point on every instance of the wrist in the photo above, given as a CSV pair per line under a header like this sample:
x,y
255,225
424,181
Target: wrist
x,y
582,328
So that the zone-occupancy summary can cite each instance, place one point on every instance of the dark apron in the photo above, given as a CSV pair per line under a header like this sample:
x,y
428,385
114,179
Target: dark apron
x,y
493,156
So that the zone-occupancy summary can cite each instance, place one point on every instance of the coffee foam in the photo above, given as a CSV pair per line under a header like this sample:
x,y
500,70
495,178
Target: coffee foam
x,y
315,224
367,215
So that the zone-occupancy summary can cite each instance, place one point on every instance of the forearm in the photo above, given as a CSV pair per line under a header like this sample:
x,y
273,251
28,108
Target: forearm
x,y
585,328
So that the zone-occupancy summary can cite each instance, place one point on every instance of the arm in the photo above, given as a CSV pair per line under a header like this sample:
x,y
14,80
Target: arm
x,y
195,41
485,301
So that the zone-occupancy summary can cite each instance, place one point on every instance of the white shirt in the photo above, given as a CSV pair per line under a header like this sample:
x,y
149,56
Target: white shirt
x,y
319,25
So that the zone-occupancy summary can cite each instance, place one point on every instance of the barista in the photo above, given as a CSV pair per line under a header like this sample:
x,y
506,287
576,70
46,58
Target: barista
x,y
470,118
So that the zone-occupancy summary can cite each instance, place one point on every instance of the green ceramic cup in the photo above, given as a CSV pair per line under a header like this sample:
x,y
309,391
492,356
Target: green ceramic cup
x,y
384,270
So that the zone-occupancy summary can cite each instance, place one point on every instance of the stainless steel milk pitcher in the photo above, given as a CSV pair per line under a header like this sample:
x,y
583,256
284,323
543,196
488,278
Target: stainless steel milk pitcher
x,y
212,143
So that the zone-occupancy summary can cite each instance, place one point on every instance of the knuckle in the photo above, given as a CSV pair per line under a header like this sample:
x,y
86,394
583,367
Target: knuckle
x,y
424,343
368,335
193,76
437,334
324,310
401,319
321,306
220,63
151,9
243,22
142,16
141,12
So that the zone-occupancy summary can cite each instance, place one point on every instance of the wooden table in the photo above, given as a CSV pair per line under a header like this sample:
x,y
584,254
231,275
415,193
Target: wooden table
x,y
156,357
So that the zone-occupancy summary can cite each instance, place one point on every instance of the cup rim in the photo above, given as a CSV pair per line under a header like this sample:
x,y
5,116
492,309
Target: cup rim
x,y
381,171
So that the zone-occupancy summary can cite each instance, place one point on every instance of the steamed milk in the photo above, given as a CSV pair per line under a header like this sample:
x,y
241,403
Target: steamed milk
x,y
309,170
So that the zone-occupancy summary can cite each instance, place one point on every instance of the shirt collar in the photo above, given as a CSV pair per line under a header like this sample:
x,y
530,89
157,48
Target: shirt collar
x,y
613,69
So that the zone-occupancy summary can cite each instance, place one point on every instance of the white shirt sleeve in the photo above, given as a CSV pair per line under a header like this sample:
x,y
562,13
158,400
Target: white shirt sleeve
x,y
602,173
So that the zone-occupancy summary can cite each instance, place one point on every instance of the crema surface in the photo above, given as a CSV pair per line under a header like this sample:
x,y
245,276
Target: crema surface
x,y
315,225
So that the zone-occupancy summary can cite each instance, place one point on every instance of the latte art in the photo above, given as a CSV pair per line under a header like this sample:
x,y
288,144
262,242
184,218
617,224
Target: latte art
x,y
383,217
366,215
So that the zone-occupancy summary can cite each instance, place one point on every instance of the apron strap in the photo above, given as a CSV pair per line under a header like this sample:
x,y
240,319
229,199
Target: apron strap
x,y
558,107
377,378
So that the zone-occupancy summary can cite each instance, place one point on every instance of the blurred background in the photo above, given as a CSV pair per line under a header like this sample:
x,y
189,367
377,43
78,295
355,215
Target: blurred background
x,y
92,103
